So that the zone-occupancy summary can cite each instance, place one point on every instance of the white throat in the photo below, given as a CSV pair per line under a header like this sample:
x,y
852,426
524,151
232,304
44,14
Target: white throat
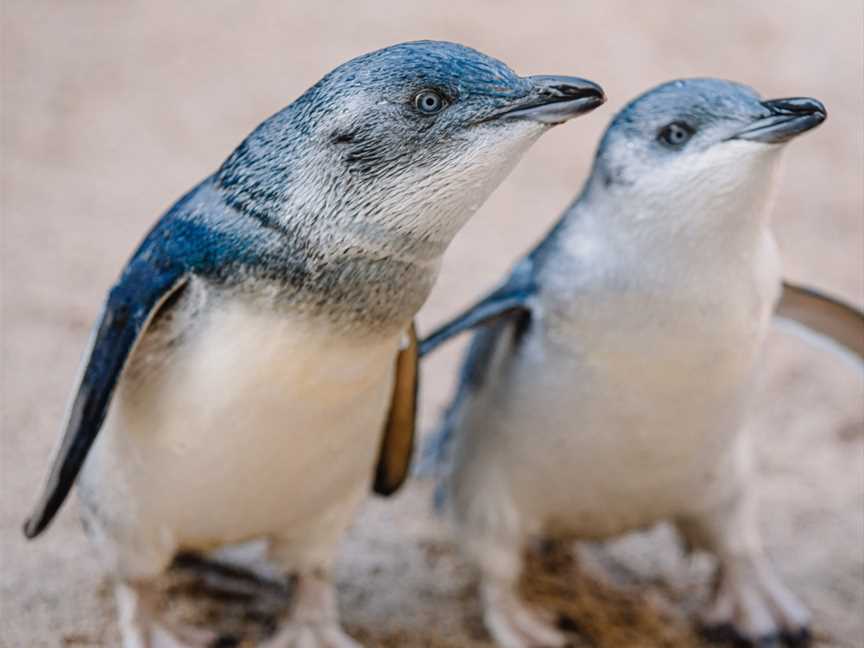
x,y
714,203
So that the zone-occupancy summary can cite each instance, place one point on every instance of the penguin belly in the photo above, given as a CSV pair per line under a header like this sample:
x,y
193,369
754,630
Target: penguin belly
x,y
260,425
595,426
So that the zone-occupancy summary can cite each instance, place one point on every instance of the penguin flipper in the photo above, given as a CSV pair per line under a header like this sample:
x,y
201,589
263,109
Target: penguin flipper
x,y
397,444
498,322
148,281
511,300
478,362
824,315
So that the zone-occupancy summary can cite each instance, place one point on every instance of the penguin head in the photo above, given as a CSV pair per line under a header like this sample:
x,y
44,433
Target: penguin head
x,y
412,137
698,142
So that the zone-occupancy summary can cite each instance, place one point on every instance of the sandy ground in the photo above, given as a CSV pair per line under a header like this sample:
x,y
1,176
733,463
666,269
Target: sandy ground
x,y
112,109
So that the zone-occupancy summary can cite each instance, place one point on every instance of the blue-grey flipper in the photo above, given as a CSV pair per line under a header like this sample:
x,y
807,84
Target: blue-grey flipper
x,y
509,300
826,316
181,244
506,310
145,285
476,365
397,444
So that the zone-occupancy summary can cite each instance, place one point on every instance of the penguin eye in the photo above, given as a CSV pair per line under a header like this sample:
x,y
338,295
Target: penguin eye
x,y
675,135
429,102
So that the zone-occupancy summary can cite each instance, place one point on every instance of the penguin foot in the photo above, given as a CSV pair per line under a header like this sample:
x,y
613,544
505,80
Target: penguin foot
x,y
314,621
514,624
152,637
308,635
161,637
139,628
754,608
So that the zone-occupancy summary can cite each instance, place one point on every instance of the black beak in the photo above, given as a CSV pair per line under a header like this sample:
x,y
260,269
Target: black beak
x,y
786,118
555,99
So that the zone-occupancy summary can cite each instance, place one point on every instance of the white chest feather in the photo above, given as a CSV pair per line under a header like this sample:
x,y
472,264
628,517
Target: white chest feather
x,y
259,424
624,401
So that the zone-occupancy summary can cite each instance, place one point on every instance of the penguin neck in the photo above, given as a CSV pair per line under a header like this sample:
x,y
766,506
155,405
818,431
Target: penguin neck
x,y
341,271
697,227
370,274
364,249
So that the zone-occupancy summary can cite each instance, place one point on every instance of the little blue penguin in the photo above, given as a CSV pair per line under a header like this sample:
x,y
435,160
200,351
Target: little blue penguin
x,y
608,383
257,352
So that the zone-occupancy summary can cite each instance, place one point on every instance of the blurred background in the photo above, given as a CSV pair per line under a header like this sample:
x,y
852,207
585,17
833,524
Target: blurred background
x,y
111,110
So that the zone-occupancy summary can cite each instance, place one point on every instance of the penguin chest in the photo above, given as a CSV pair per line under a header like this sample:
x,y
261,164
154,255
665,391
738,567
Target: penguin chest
x,y
638,417
258,424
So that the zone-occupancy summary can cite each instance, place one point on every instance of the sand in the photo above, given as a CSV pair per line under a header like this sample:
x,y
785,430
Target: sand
x,y
112,110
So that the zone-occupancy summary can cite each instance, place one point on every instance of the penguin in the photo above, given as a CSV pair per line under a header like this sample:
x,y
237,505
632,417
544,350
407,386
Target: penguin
x,y
609,377
254,369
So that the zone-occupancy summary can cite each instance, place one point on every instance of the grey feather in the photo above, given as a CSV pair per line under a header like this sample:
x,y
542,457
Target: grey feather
x,y
507,308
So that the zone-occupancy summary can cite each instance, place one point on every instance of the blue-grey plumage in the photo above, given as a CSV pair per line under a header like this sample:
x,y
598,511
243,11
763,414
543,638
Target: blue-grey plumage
x,y
606,386
242,368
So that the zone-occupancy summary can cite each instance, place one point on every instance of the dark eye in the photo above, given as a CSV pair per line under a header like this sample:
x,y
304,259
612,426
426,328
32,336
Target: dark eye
x,y
675,135
429,102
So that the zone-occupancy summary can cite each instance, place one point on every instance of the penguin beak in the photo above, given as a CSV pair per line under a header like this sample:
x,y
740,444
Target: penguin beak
x,y
787,118
555,99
